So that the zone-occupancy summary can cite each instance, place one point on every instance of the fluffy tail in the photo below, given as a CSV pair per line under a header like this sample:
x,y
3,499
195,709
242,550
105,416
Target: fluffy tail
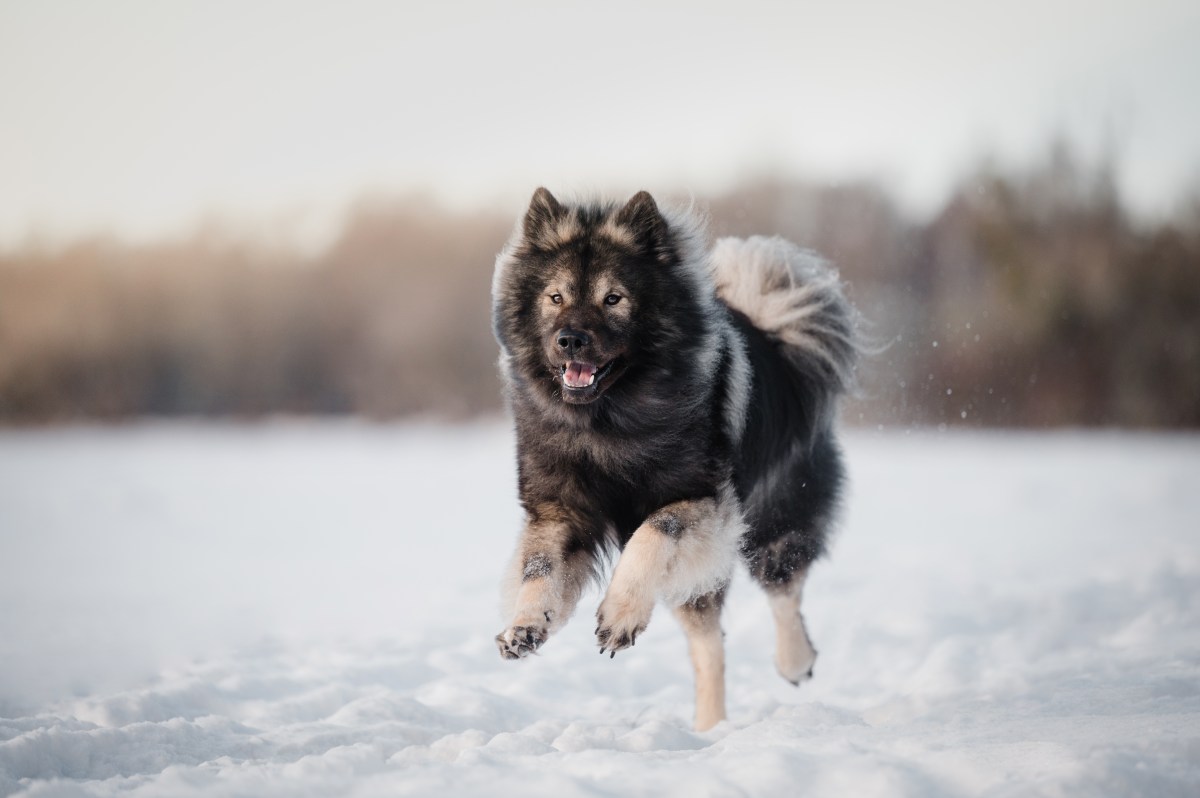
x,y
795,297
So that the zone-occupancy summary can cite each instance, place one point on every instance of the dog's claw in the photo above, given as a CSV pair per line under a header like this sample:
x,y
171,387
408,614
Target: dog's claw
x,y
611,643
618,626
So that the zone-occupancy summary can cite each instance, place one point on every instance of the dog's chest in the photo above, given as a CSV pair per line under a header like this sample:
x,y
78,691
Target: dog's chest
x,y
619,480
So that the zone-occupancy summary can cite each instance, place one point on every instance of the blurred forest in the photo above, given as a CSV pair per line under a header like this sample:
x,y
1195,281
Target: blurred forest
x,y
1032,298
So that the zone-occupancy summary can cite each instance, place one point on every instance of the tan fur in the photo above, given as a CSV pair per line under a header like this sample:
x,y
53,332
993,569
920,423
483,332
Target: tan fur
x,y
546,600
604,285
675,567
707,649
616,233
630,597
678,569
564,229
794,654
561,282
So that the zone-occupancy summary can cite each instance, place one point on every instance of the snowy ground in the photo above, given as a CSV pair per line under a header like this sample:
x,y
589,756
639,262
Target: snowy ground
x,y
308,609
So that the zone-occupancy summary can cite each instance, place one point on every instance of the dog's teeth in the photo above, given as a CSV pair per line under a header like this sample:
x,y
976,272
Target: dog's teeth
x,y
591,379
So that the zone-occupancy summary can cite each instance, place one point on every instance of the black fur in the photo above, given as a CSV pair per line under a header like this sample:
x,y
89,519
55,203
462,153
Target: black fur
x,y
648,440
786,433
658,431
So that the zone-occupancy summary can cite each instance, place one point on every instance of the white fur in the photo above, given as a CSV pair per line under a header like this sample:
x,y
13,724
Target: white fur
x,y
506,257
737,398
706,553
655,565
791,294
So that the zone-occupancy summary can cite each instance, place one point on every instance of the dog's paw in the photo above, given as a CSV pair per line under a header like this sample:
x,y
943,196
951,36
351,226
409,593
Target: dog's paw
x,y
619,622
520,641
796,662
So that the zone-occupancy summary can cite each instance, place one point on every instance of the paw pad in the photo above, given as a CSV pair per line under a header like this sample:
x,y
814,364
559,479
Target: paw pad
x,y
520,641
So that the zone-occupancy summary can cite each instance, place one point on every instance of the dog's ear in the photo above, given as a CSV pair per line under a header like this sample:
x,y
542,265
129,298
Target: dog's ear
x,y
543,211
641,216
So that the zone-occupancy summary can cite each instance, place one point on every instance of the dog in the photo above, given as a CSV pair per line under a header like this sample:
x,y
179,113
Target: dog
x,y
674,403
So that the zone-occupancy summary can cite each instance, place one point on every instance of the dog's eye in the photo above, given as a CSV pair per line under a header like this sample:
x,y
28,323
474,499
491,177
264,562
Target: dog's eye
x,y
556,299
612,299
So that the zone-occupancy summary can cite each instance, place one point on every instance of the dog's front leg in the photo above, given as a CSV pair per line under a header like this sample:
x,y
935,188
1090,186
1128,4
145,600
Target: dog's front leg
x,y
542,589
685,549
701,620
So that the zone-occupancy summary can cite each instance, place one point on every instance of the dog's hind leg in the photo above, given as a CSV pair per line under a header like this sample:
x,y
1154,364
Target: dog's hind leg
x,y
543,587
781,568
701,620
794,653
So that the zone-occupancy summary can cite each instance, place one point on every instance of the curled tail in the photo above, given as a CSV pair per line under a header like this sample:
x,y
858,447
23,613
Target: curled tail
x,y
796,298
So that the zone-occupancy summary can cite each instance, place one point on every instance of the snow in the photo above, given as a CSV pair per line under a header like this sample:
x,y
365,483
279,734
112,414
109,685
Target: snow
x,y
301,608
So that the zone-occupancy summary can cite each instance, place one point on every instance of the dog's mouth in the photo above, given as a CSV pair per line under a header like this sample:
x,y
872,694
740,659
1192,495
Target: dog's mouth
x,y
581,381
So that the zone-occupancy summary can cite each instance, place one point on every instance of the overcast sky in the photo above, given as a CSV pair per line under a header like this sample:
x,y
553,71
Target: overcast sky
x,y
143,117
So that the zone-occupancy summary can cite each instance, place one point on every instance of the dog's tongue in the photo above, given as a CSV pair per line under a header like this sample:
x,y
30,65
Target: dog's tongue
x,y
579,375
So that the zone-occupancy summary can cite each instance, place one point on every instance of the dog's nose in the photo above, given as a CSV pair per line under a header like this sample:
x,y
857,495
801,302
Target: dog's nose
x,y
572,340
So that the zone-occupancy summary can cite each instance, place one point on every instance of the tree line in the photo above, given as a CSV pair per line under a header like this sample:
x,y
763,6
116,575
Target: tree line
x,y
1031,298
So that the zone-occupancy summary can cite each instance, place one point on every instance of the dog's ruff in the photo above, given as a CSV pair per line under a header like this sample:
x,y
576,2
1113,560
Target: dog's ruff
x,y
674,403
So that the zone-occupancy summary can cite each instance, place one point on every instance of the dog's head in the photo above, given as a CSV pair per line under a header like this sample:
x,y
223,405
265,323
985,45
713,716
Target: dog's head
x,y
580,294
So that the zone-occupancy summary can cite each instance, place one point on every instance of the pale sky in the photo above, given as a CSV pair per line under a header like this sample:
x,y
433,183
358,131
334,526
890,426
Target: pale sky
x,y
145,117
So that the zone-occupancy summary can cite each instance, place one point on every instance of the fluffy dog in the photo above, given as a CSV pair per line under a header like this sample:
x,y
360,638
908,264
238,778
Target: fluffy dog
x,y
674,403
